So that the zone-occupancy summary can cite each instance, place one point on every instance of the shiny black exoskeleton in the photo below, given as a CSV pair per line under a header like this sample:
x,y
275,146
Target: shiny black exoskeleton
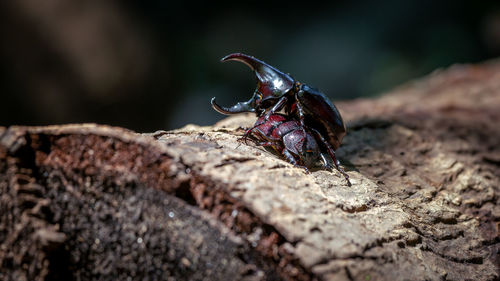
x,y
289,138
276,91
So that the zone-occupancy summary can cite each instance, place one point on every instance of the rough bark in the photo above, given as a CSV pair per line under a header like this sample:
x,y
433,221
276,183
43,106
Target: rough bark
x,y
88,201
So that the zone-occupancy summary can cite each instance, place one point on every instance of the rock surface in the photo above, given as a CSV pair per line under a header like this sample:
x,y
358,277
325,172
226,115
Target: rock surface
x,y
89,201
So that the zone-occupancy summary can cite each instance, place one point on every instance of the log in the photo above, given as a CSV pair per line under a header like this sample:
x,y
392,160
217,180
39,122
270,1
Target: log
x,y
89,201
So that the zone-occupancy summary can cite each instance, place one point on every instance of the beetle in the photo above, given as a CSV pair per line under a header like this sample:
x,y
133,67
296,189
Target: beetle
x,y
289,138
277,90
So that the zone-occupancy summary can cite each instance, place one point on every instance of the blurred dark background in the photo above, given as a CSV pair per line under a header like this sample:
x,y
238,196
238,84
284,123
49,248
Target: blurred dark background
x,y
150,65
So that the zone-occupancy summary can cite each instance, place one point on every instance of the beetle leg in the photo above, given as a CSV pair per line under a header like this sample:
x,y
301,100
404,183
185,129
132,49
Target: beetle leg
x,y
277,107
326,165
331,152
267,143
261,135
289,157
247,133
292,160
300,111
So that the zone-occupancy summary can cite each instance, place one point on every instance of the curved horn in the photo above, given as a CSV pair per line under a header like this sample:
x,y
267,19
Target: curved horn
x,y
248,106
272,82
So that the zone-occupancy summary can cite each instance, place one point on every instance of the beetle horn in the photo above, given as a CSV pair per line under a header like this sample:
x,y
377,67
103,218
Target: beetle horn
x,y
272,82
248,106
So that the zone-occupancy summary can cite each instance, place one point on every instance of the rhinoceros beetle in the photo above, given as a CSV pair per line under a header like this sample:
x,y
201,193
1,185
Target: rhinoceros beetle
x,y
276,91
289,138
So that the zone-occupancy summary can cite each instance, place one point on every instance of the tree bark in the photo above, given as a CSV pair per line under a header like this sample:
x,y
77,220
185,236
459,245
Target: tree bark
x,y
98,202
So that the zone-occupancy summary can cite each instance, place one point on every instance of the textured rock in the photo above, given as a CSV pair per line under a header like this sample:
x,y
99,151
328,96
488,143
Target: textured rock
x,y
423,161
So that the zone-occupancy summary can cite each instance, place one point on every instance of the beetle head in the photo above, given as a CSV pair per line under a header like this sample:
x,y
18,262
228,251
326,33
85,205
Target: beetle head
x,y
271,84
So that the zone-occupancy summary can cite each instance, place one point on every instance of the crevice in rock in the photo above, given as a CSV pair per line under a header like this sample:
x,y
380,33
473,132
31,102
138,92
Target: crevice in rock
x,y
266,241
465,260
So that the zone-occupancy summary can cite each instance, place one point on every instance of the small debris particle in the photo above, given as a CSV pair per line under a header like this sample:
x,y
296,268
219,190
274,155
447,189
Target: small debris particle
x,y
185,262
234,213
